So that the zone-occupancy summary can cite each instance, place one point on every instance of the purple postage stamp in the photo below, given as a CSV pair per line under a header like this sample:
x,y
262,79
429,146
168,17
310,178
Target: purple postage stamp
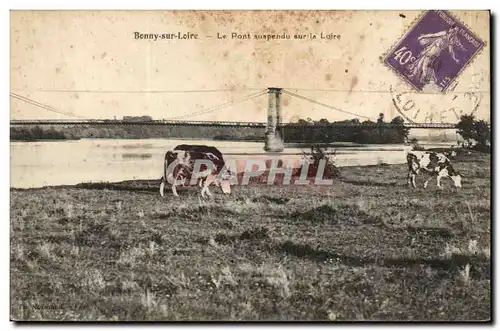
x,y
434,51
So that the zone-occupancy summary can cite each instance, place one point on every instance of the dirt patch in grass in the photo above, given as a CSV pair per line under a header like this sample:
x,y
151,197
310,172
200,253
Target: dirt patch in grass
x,y
270,199
336,214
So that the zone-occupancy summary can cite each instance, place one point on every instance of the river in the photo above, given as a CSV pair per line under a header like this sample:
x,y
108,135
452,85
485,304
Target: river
x,y
47,163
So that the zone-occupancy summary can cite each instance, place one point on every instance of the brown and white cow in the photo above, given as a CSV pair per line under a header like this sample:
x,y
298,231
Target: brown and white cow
x,y
432,163
185,157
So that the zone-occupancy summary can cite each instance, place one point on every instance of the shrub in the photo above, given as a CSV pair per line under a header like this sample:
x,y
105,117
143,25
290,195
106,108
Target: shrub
x,y
315,156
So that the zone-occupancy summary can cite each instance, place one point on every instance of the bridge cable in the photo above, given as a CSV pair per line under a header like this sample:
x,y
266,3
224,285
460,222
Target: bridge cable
x,y
38,104
219,107
324,105
43,106
141,91
380,91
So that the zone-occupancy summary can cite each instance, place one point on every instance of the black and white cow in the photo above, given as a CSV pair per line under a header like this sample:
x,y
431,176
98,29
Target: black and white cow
x,y
432,163
185,157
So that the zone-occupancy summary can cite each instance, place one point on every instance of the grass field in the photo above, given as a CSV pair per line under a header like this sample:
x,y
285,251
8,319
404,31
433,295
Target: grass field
x,y
365,248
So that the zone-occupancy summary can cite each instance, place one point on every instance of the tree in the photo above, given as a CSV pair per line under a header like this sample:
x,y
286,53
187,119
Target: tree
x,y
476,134
466,128
402,132
483,134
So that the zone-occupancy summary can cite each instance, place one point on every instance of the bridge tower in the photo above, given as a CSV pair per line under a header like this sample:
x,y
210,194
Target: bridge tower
x,y
274,131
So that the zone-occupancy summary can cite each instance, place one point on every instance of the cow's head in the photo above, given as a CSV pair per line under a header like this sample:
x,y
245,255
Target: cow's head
x,y
225,186
225,180
450,153
453,174
457,179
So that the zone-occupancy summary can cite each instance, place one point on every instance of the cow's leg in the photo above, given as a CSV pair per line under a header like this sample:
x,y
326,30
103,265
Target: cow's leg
x,y
201,183
207,181
176,181
412,173
413,180
206,191
438,180
162,186
174,189
430,176
427,181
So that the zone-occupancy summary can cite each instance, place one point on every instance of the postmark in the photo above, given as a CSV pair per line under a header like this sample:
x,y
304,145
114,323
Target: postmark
x,y
434,51
442,108
436,107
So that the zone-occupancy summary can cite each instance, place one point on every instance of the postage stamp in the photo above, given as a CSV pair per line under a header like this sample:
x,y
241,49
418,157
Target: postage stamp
x,y
434,52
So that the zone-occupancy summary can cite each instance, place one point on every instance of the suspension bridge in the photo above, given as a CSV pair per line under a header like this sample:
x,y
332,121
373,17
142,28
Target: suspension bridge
x,y
274,125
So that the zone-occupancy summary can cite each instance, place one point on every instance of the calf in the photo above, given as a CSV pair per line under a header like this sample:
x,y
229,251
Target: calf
x,y
432,163
186,156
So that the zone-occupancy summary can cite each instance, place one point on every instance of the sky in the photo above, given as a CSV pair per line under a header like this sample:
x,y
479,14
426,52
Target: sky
x,y
89,64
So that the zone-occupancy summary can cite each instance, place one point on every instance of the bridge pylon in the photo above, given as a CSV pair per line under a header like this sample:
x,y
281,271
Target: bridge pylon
x,y
274,131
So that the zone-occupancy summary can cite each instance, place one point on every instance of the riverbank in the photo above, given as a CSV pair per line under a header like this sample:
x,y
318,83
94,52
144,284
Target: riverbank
x,y
106,161
44,140
365,248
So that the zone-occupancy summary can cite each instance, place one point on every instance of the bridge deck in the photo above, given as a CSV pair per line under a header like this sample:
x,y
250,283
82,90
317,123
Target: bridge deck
x,y
219,124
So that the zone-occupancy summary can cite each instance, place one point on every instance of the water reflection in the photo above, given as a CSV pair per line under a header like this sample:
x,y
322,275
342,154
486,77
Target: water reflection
x,y
135,146
131,156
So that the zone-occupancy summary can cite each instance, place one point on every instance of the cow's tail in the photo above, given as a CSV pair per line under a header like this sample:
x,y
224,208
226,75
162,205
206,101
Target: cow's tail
x,y
165,164
164,177
162,186
410,159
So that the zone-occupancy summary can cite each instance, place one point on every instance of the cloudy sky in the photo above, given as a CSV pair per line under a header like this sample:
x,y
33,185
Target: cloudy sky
x,y
88,63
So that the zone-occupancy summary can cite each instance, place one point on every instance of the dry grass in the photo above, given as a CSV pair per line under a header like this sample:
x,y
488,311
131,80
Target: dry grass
x,y
366,248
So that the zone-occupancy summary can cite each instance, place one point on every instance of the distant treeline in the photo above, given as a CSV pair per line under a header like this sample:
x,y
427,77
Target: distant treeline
x,y
238,138
353,131
46,132
38,133
380,133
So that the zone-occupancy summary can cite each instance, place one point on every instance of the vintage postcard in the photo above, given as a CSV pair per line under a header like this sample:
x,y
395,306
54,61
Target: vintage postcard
x,y
250,166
